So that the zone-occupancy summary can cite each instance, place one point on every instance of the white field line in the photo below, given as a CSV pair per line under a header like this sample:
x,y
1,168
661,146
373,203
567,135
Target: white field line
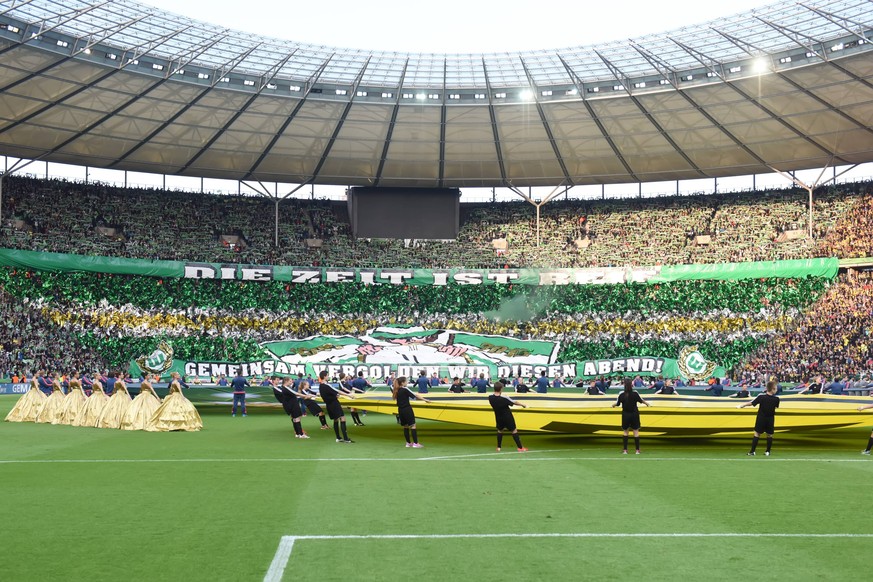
x,y
280,560
494,454
286,544
503,458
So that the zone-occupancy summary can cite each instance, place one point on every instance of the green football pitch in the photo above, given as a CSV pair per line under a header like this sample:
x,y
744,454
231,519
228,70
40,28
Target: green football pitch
x,y
244,500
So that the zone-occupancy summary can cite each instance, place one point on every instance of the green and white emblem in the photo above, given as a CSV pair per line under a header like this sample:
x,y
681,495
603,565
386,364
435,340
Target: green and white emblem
x,y
692,364
159,361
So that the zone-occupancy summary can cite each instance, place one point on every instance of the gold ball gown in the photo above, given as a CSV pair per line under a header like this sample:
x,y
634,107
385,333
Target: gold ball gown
x,y
53,405
90,413
175,413
114,411
28,406
73,404
141,409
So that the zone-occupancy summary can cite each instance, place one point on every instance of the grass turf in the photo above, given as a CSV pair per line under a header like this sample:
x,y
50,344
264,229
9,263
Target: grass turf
x,y
214,505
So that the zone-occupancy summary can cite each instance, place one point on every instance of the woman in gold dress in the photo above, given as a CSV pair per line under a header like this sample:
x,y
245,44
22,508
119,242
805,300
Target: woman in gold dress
x,y
53,405
90,413
73,403
176,412
114,411
142,408
28,406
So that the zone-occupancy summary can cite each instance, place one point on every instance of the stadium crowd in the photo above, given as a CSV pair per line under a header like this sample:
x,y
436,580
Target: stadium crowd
x,y
61,216
832,339
852,236
29,341
103,322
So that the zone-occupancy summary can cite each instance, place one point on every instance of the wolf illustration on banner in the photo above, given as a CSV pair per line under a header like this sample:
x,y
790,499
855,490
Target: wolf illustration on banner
x,y
415,345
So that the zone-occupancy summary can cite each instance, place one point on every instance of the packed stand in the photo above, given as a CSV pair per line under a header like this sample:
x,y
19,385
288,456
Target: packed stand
x,y
30,341
852,235
832,339
61,216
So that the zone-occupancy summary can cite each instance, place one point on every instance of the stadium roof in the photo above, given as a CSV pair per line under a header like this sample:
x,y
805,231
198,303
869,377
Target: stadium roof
x,y
121,85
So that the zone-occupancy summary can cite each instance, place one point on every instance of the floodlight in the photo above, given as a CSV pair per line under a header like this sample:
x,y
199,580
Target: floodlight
x,y
760,65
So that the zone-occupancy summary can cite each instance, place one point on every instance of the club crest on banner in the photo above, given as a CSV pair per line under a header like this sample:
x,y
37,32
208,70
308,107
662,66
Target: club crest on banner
x,y
159,361
692,364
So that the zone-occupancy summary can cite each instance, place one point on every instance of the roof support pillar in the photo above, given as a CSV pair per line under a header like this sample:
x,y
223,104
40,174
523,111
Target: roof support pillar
x,y
556,191
811,187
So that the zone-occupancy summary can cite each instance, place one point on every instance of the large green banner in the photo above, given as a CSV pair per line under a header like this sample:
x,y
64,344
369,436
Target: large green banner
x,y
757,270
59,262
410,351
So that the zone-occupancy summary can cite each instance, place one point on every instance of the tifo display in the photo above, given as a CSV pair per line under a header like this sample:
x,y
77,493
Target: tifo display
x,y
107,321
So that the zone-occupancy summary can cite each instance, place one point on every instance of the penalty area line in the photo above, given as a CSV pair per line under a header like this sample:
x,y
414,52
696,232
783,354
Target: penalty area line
x,y
286,543
280,560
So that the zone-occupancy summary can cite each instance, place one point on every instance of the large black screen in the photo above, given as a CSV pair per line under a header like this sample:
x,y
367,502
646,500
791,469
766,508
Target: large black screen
x,y
404,213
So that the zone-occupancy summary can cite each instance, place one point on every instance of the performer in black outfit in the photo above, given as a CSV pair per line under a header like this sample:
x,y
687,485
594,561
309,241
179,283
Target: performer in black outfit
x,y
402,394
503,416
667,388
522,388
743,392
457,386
291,403
280,396
630,413
594,389
813,387
767,404
277,390
330,397
309,402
